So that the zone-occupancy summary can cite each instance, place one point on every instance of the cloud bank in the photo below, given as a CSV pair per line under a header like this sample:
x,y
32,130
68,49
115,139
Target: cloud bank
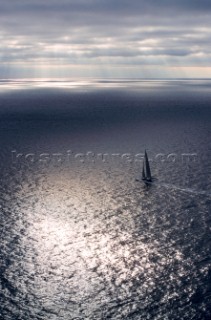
x,y
105,38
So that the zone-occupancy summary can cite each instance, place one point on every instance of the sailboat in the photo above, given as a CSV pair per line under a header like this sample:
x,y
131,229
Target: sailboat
x,y
146,172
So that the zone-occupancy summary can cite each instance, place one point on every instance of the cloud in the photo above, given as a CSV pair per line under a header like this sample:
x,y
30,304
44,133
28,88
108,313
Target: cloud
x,y
105,32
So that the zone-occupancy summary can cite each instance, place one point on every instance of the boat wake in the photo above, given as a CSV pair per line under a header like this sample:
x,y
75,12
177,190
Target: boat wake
x,y
174,187
189,190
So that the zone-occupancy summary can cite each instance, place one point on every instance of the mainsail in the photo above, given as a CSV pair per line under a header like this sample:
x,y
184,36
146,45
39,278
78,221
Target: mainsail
x,y
143,173
146,172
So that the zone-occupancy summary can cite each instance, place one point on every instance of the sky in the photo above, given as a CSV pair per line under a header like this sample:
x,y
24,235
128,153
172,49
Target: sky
x,y
105,39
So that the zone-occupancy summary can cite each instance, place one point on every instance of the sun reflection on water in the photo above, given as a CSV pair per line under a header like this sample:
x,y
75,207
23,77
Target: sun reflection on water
x,y
81,246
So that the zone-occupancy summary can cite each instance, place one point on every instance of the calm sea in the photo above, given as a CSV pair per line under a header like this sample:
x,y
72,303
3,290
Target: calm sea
x,y
81,237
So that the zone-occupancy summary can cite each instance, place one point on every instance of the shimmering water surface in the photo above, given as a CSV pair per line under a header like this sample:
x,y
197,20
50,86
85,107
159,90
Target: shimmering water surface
x,y
80,237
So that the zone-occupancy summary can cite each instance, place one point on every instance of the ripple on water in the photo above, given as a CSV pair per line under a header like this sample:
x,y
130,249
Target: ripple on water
x,y
73,247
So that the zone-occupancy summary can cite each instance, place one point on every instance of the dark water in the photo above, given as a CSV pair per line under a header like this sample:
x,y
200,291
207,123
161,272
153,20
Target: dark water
x,y
80,237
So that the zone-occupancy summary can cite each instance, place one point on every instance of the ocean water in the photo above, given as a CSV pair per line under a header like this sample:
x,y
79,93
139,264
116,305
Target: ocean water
x,y
81,237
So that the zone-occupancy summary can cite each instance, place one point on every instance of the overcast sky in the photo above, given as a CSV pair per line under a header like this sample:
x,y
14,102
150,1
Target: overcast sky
x,y
105,38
